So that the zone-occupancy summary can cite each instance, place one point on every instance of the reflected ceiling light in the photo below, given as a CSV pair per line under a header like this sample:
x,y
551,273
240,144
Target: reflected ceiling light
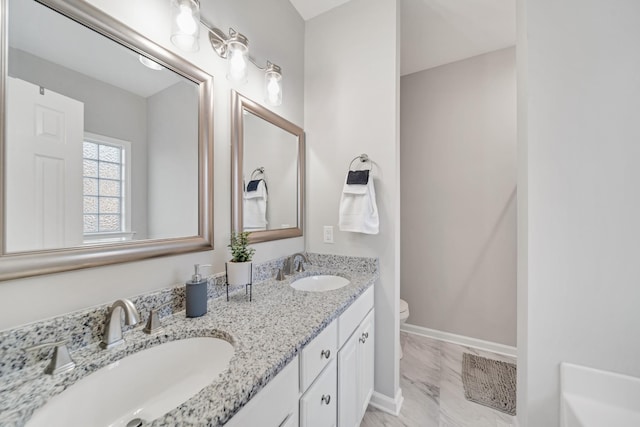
x,y
149,63
273,84
185,24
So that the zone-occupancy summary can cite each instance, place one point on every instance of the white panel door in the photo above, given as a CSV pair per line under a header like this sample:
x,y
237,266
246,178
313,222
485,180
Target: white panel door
x,y
43,168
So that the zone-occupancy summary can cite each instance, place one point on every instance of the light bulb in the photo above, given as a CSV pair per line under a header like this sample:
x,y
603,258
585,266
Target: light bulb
x,y
185,27
273,85
238,69
273,90
185,21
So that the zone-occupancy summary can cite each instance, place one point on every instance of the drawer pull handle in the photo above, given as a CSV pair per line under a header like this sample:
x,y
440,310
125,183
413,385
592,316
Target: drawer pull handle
x,y
325,353
284,422
326,398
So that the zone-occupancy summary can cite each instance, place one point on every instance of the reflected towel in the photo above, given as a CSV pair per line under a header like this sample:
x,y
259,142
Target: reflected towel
x,y
254,213
358,209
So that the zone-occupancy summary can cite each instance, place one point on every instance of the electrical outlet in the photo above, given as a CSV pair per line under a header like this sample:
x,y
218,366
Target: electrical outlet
x,y
328,234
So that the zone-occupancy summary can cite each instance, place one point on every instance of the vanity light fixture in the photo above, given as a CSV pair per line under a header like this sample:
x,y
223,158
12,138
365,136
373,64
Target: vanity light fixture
x,y
234,47
185,27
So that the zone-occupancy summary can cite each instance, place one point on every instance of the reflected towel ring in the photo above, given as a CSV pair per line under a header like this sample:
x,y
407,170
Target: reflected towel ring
x,y
363,159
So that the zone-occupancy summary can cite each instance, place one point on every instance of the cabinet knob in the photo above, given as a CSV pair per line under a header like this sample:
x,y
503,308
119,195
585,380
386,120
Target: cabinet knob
x,y
325,353
363,339
366,334
326,398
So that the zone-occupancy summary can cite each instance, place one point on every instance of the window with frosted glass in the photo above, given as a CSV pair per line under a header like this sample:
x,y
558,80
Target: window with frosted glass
x,y
103,175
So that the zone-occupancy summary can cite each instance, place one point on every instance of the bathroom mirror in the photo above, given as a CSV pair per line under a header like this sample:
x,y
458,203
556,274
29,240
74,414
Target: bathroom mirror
x,y
106,142
267,172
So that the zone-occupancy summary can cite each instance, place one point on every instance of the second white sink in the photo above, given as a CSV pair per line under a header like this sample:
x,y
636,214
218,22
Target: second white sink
x,y
144,385
320,283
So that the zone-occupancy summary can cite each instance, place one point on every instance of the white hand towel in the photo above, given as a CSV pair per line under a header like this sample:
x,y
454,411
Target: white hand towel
x,y
358,209
255,208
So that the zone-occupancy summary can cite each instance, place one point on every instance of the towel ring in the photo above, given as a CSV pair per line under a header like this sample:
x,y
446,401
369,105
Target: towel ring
x,y
259,170
363,159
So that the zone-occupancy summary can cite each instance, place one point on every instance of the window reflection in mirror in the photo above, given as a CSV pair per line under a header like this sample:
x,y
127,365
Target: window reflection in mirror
x,y
101,143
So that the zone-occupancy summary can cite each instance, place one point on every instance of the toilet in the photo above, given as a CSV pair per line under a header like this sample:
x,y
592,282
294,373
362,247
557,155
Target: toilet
x,y
404,314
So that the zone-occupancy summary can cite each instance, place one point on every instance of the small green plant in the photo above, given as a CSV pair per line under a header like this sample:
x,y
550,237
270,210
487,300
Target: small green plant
x,y
240,250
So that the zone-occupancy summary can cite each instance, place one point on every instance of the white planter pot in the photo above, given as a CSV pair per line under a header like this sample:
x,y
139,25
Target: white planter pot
x,y
239,273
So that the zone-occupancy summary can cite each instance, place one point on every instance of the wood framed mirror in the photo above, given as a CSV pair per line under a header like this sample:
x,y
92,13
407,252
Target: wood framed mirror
x,y
267,172
106,142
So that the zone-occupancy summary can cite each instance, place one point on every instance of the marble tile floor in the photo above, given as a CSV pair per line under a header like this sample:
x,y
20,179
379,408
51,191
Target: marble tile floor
x,y
430,377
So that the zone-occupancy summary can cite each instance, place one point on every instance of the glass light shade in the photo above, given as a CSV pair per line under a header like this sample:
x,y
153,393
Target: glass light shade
x,y
185,24
273,85
238,60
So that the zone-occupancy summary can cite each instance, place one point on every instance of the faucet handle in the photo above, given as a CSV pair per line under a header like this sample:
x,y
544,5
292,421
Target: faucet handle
x,y
280,275
61,360
300,268
153,322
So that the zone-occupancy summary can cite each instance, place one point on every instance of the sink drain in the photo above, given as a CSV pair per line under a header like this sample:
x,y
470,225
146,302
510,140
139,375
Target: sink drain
x,y
136,422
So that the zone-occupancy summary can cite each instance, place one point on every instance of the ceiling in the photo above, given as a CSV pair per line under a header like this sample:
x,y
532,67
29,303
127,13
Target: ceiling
x,y
437,32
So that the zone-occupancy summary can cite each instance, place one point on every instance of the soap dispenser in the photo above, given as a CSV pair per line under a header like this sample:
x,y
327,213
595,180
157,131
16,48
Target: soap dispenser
x,y
196,294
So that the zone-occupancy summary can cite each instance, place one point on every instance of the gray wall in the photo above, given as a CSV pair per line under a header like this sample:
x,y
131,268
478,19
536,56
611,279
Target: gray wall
x,y
108,111
579,163
458,181
173,162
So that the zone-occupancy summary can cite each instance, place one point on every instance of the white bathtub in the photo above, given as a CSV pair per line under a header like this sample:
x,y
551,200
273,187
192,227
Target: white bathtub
x,y
594,398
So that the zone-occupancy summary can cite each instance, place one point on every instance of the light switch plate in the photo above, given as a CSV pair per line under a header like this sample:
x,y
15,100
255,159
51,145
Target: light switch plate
x,y
328,234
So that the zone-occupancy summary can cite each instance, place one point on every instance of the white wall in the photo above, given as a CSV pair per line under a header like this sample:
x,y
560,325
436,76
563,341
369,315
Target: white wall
x,y
275,31
458,181
581,60
351,107
173,162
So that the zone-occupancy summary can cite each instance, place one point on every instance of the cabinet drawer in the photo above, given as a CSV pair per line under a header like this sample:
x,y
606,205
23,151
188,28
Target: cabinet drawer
x,y
276,405
318,406
351,318
317,354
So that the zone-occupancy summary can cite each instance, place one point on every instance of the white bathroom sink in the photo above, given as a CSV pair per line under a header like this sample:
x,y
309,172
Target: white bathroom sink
x,y
320,283
144,385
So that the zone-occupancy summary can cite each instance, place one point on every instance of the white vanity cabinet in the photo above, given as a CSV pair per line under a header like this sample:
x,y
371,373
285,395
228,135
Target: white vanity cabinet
x,y
356,361
276,405
318,380
331,383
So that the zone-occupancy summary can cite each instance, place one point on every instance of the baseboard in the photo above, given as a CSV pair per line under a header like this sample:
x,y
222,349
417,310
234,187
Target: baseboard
x,y
387,404
461,340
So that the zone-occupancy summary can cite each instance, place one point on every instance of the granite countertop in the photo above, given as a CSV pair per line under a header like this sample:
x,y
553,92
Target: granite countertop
x,y
266,334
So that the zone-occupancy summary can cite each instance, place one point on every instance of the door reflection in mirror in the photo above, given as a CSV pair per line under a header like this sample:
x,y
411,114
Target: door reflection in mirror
x,y
66,81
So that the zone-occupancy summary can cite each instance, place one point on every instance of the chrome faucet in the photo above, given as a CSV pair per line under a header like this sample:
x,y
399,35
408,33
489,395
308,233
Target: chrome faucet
x,y
289,263
113,328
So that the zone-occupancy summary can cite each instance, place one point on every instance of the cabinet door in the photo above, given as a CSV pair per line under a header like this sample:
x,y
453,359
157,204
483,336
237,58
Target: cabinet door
x,y
365,356
318,406
276,405
348,373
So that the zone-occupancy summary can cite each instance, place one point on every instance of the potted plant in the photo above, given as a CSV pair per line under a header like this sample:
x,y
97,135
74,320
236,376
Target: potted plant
x,y
239,269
